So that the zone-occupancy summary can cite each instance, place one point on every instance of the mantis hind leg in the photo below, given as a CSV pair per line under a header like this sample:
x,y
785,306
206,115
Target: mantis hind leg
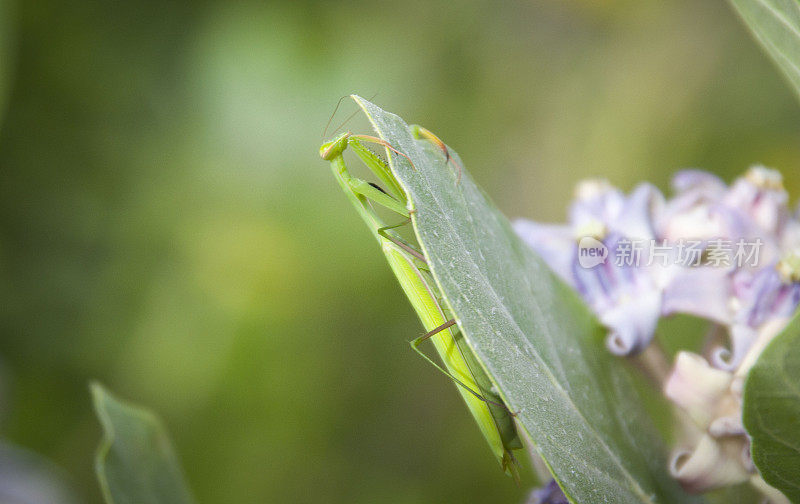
x,y
415,343
502,417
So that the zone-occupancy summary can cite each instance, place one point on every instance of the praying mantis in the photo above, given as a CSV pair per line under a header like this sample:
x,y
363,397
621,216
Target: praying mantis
x,y
410,268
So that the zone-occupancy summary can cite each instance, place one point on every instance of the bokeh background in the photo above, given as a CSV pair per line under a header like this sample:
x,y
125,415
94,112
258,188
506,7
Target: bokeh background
x,y
167,227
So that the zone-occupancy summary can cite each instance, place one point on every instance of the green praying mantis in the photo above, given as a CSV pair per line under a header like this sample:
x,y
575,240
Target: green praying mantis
x,y
410,267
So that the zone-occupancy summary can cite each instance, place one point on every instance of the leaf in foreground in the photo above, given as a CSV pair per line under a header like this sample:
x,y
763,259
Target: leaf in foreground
x,y
772,411
536,340
776,25
135,463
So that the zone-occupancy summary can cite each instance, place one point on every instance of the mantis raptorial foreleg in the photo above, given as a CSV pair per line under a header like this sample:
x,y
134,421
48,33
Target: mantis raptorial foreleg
x,y
373,193
331,149
377,195
378,167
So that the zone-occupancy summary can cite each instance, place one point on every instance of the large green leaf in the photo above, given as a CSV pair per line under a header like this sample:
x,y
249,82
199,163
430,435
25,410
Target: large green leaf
x,y
776,25
135,463
772,411
539,344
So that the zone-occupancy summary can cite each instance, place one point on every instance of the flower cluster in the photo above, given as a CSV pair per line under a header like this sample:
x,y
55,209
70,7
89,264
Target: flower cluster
x,y
748,302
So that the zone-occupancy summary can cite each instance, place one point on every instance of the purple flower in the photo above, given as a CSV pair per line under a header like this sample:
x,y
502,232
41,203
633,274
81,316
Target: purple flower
x,y
693,211
628,297
624,297
548,494
623,294
738,297
702,291
760,196
764,301
753,302
750,298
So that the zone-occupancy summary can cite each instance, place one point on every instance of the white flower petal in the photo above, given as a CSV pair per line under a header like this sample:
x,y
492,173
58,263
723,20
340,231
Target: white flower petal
x,y
696,387
711,464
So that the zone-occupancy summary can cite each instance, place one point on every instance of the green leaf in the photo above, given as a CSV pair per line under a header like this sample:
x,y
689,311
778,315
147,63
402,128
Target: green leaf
x,y
772,411
135,463
776,25
537,341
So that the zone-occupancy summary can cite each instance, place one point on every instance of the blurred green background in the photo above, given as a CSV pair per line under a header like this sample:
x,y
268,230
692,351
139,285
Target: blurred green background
x,y
168,228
